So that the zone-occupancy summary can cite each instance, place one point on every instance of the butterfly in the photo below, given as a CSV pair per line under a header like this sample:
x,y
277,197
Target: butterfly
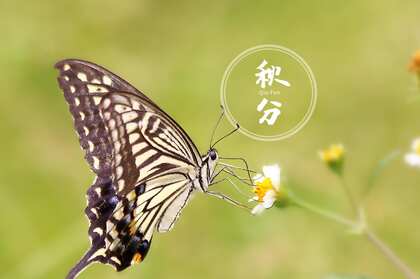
x,y
147,167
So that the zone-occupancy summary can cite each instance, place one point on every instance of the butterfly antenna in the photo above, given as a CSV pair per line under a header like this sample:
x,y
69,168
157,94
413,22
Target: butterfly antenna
x,y
225,136
217,125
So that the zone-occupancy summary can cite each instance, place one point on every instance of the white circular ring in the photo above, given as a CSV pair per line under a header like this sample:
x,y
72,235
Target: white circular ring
x,y
301,62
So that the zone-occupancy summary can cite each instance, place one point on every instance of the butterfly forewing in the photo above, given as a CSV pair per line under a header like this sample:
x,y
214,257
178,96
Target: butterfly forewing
x,y
84,84
145,144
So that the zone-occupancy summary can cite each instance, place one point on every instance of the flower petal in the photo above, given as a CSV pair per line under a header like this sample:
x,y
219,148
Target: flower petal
x,y
412,159
268,203
258,209
273,172
269,199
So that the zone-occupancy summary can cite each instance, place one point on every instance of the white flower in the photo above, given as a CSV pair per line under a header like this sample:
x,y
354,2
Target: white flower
x,y
267,188
413,158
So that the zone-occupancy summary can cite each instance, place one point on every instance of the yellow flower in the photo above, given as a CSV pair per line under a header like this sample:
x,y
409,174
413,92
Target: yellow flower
x,y
414,65
413,158
333,157
267,189
261,188
332,154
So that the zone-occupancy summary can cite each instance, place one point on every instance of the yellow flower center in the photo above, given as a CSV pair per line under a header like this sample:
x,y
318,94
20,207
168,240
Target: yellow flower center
x,y
332,154
417,147
261,188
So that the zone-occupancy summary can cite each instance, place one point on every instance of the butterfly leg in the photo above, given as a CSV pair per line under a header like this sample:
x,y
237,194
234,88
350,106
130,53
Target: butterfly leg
x,y
245,163
242,179
217,173
228,199
230,171
233,184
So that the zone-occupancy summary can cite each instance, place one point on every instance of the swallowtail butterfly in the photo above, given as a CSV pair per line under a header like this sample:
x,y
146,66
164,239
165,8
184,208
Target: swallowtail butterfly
x,y
146,166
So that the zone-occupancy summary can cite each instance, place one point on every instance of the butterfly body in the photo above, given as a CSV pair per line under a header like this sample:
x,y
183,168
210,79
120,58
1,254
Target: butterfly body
x,y
146,166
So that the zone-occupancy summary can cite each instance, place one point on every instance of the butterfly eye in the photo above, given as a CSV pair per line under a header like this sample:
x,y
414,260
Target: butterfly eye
x,y
213,155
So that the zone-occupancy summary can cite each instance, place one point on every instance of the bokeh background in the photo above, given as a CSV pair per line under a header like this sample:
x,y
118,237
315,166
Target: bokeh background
x,y
176,52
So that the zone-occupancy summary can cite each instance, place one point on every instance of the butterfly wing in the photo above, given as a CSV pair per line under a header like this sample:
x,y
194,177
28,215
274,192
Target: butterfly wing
x,y
144,161
129,229
84,84
145,143
154,177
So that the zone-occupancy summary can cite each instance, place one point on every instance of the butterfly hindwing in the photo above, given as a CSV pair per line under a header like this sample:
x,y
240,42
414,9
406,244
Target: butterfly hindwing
x,y
131,227
102,201
172,212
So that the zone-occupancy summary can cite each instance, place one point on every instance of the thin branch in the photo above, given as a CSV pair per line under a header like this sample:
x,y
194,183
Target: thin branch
x,y
361,227
353,203
324,213
390,255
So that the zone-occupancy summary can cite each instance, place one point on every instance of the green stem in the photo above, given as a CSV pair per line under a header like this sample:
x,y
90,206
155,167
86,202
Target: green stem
x,y
349,195
390,255
379,244
322,212
362,229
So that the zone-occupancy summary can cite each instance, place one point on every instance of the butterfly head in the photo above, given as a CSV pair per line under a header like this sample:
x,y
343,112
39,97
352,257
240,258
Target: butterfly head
x,y
209,164
212,154
210,161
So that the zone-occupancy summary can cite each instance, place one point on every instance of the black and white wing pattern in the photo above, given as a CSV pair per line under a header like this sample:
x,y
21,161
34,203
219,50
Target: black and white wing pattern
x,y
145,163
84,85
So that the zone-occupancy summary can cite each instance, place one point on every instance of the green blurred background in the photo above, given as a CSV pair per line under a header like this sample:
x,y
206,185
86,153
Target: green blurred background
x,y
176,52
